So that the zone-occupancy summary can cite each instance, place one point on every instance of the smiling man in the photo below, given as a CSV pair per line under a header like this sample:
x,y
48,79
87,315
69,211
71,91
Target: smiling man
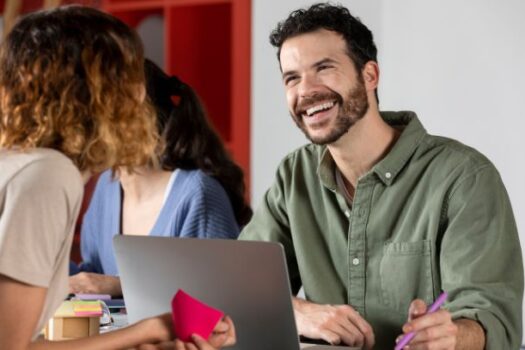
x,y
376,216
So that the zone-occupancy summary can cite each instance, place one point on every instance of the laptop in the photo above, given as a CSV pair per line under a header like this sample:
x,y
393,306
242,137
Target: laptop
x,y
246,280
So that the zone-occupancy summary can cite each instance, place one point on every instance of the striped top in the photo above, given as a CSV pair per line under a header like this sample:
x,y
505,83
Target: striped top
x,y
196,206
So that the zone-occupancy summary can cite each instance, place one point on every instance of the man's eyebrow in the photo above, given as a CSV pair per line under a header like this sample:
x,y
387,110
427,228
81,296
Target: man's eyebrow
x,y
315,65
323,61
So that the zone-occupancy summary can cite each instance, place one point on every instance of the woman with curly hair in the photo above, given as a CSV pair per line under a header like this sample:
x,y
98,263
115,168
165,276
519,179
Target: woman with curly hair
x,y
71,104
196,190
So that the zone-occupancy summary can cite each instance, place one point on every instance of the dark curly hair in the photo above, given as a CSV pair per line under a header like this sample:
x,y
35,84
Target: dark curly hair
x,y
359,39
189,140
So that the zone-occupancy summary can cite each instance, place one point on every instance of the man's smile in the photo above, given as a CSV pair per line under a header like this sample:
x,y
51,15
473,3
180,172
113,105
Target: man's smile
x,y
318,108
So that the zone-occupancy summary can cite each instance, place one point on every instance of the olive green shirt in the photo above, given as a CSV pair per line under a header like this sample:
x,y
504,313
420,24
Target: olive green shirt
x,y
432,215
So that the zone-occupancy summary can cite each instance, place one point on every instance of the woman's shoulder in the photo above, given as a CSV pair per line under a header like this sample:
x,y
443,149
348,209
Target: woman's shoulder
x,y
105,194
107,186
196,186
19,160
107,178
197,179
34,167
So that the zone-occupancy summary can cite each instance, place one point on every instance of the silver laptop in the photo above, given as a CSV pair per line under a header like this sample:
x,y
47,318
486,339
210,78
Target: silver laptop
x,y
246,280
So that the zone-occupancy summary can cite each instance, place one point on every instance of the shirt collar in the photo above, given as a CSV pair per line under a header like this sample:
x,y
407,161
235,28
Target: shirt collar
x,y
411,136
326,168
390,166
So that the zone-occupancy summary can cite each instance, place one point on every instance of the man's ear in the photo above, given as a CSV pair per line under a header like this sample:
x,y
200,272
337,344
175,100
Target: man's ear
x,y
370,74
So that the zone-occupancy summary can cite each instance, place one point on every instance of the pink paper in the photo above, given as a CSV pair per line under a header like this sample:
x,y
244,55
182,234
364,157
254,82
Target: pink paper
x,y
191,316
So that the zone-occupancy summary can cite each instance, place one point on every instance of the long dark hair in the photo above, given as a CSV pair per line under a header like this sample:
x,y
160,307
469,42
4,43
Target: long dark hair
x,y
189,139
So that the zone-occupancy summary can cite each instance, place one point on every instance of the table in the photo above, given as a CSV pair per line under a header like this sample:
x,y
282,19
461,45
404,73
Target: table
x,y
120,320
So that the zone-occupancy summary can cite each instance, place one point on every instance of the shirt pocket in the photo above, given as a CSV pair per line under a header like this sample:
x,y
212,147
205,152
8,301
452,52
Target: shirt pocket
x,y
406,274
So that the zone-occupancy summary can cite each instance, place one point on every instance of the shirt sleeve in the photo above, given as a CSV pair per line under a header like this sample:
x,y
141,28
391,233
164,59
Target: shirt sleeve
x,y
209,212
270,223
480,260
88,249
92,224
42,201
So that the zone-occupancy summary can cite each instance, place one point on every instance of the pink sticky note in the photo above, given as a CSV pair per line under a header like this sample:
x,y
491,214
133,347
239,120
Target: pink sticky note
x,y
192,316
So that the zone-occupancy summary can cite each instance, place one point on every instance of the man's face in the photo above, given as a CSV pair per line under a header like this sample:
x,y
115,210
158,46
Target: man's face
x,y
325,94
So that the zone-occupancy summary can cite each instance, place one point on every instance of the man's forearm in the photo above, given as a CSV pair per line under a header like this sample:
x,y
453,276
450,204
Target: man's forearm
x,y
471,335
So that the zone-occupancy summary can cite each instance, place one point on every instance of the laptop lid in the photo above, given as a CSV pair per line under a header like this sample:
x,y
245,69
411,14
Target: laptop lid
x,y
246,280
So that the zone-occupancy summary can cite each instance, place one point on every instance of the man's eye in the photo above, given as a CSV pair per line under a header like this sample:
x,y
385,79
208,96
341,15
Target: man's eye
x,y
290,79
323,67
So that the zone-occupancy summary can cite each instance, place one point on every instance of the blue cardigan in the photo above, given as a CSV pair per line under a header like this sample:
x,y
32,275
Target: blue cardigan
x,y
196,206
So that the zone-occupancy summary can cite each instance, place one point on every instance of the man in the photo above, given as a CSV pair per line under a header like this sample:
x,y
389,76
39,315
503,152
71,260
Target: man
x,y
376,216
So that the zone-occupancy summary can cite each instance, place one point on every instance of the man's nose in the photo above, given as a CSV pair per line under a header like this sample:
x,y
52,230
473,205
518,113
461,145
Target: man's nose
x,y
308,86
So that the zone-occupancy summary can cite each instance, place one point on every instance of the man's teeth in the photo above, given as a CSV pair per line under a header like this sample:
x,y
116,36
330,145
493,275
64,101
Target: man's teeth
x,y
318,108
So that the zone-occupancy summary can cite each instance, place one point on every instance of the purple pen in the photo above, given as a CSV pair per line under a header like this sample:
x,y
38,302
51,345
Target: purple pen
x,y
433,308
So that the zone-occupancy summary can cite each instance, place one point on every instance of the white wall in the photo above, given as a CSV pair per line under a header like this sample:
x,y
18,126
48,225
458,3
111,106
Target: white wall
x,y
459,64
151,31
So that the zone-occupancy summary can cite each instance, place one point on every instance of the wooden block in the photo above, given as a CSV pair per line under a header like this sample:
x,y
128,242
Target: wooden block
x,y
63,328
77,327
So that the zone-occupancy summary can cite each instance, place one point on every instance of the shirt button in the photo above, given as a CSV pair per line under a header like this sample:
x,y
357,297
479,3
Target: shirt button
x,y
355,261
347,213
388,174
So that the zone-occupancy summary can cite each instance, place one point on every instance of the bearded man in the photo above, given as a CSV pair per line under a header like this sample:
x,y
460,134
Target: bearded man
x,y
376,216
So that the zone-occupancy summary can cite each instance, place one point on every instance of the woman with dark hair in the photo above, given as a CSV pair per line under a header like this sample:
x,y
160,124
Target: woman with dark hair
x,y
196,190
72,103
190,141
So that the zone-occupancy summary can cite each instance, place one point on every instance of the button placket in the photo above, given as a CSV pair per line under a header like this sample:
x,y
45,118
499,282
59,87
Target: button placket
x,y
357,248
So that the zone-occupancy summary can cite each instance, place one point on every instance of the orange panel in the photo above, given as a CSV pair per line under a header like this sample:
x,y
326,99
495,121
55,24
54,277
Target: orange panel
x,y
200,54
241,78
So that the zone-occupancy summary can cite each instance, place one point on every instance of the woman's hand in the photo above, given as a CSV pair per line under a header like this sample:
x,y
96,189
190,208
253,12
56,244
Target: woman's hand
x,y
223,334
94,283
161,327
198,343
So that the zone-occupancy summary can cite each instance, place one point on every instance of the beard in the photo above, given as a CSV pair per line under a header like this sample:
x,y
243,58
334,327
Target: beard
x,y
352,109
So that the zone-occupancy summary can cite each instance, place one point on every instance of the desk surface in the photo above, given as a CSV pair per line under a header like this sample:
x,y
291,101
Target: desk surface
x,y
120,320
327,347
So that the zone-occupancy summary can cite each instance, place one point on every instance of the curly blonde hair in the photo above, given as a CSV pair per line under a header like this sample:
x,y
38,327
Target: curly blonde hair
x,y
72,79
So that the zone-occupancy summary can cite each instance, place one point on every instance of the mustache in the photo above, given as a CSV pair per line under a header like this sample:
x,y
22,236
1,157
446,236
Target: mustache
x,y
309,101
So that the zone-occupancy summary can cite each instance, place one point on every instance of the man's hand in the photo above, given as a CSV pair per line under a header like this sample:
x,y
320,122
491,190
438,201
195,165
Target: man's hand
x,y
94,283
335,324
433,331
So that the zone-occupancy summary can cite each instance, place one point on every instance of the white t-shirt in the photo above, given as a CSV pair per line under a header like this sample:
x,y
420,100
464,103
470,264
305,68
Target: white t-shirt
x,y
40,196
